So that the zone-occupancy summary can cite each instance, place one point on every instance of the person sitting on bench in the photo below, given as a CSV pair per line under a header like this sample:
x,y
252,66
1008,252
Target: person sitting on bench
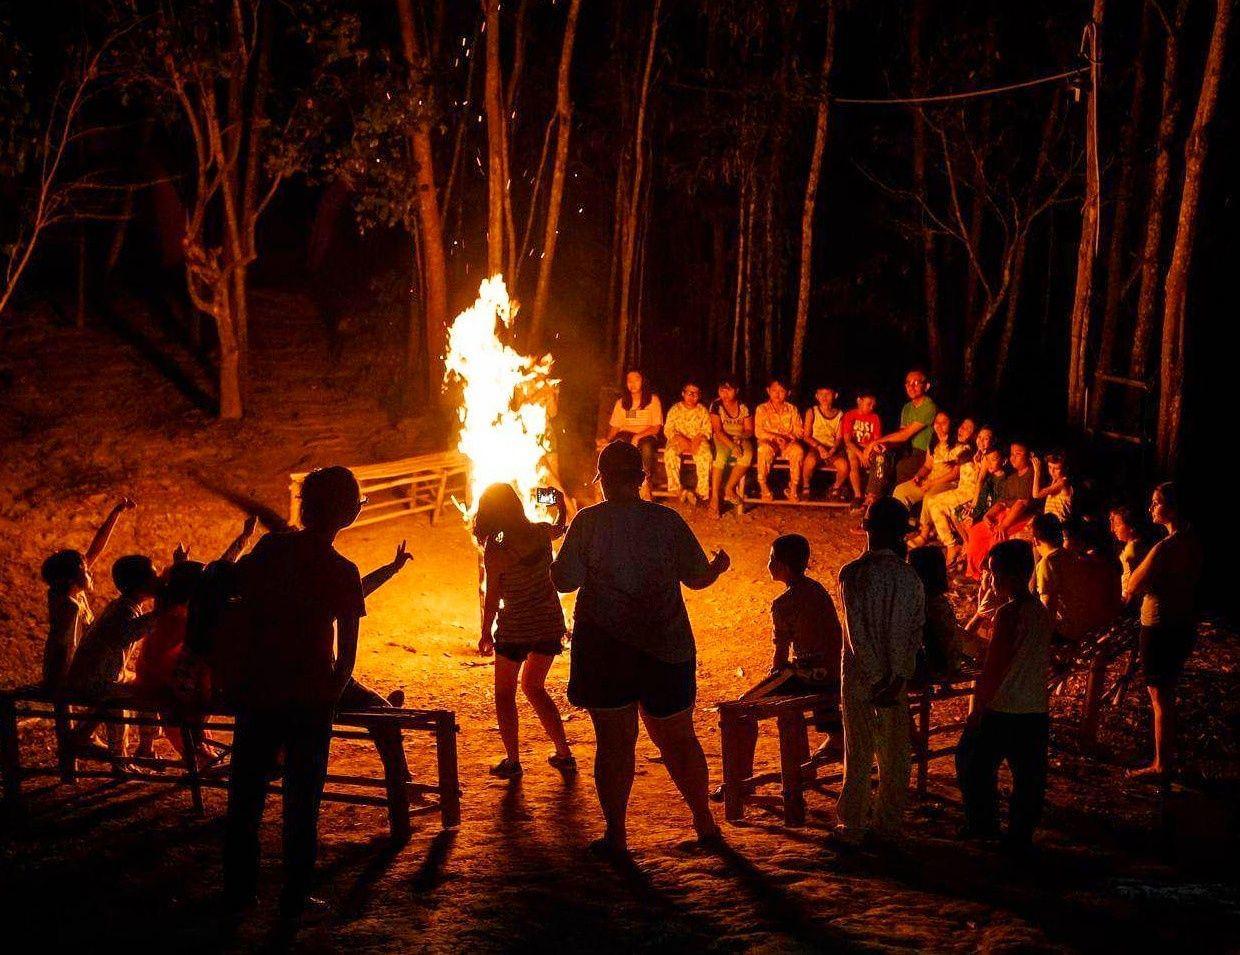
x,y
67,575
688,429
99,662
824,433
636,418
804,624
733,428
777,426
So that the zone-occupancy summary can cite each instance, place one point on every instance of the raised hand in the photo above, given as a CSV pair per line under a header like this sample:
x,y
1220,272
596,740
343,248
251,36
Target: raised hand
x,y
720,561
180,554
402,556
124,504
251,522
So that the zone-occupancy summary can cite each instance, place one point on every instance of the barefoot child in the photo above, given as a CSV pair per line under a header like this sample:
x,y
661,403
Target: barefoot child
x,y
522,621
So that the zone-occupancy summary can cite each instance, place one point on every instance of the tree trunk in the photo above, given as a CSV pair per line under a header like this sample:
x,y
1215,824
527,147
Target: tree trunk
x,y
430,222
1156,210
1009,318
929,267
1117,258
1087,250
563,131
1171,365
742,258
496,173
808,207
635,192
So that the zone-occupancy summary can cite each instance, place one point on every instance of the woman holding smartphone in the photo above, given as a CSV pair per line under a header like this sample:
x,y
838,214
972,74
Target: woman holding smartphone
x,y
522,621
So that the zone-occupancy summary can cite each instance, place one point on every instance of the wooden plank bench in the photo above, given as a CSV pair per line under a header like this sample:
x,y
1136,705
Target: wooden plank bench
x,y
417,485
798,770
399,796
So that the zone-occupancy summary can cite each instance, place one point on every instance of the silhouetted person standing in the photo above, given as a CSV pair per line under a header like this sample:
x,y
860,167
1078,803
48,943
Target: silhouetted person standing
x,y
633,648
299,601
884,616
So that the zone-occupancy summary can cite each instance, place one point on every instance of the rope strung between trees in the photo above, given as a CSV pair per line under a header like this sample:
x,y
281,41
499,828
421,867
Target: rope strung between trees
x,y
965,94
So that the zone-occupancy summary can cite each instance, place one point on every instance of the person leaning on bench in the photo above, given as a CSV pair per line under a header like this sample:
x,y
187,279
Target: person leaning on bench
x,y
804,624
298,597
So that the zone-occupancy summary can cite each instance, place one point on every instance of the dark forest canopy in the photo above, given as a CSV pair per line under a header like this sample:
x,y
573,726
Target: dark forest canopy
x,y
683,156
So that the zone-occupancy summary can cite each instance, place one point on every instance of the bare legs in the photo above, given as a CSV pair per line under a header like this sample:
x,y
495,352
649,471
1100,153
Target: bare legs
x,y
532,676
614,762
1162,700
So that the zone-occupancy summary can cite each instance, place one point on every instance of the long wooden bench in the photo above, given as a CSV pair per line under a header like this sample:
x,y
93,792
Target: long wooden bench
x,y
418,485
399,795
798,770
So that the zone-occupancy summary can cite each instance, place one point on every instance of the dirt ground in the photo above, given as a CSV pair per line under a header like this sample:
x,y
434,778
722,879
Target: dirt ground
x,y
94,864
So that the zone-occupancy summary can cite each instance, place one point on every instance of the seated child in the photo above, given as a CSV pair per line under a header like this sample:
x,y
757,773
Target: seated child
x,y
805,625
860,427
943,653
688,430
67,575
96,669
1008,710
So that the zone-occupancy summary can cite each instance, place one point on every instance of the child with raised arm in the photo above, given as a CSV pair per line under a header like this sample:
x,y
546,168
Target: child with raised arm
x,y
67,575
808,638
1008,710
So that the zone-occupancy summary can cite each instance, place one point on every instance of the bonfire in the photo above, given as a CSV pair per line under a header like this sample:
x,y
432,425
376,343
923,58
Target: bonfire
x,y
504,400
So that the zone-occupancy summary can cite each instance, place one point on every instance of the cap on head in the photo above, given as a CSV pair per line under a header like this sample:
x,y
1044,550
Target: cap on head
x,y
620,461
330,498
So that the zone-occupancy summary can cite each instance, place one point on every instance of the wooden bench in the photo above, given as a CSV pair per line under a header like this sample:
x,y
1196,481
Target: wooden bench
x,y
32,703
417,485
798,770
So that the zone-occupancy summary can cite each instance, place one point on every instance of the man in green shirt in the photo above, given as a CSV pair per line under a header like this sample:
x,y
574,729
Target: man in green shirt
x,y
907,447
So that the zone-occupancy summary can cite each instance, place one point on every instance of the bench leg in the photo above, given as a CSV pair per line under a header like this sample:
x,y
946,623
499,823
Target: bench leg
x,y
66,759
190,736
10,755
923,754
397,799
439,496
793,751
733,783
449,781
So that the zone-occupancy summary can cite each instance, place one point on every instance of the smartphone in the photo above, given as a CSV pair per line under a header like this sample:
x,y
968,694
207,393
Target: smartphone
x,y
545,496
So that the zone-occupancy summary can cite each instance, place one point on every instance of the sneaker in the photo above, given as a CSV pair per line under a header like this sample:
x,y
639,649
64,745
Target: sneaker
x,y
506,769
565,764
716,794
396,698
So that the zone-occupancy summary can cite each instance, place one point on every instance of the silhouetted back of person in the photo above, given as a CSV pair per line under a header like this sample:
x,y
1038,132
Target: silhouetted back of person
x,y
300,603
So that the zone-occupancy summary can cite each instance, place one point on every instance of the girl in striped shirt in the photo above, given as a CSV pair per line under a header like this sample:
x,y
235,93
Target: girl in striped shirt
x,y
522,621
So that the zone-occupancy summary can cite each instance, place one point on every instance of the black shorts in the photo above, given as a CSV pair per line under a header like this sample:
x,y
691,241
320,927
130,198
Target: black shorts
x,y
1164,651
608,674
517,652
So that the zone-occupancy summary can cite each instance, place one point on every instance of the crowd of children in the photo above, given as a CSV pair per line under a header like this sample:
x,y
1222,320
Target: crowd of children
x,y
273,633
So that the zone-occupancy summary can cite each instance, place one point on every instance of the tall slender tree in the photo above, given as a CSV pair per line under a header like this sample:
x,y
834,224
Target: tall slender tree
x,y
1175,295
810,203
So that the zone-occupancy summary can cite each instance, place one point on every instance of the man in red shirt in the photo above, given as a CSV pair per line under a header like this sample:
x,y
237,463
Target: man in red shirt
x,y
859,428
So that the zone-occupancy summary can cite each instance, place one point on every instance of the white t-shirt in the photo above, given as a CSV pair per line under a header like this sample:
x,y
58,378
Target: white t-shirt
x,y
636,419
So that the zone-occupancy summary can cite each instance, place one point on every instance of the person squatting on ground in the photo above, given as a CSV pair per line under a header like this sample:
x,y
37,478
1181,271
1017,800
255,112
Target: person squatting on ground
x,y
905,449
688,429
805,627
732,426
301,604
777,427
884,614
633,650
1165,583
637,418
1008,717
522,621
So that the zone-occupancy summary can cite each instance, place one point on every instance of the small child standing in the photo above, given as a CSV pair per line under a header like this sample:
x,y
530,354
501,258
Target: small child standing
x,y
67,575
1008,710
805,627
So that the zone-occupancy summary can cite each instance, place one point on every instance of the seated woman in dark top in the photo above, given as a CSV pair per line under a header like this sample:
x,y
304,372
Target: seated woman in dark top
x,y
1009,515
